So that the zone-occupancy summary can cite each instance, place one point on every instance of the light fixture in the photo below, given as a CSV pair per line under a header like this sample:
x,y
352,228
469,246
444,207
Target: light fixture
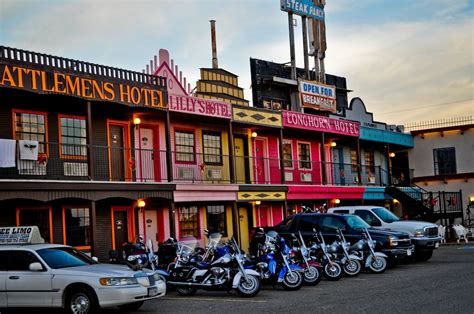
x,y
392,155
137,121
141,203
333,144
254,134
471,199
395,201
258,203
337,201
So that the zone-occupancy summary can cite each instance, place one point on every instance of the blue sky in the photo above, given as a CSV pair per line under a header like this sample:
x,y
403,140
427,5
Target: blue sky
x,y
398,56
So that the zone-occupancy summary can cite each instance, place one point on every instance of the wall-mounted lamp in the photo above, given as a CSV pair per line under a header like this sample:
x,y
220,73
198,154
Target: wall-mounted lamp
x,y
141,203
395,201
391,155
254,134
258,203
137,121
333,144
471,199
337,201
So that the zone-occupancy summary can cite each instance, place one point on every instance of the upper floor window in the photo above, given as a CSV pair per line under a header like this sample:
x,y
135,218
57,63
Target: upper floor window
x,y
73,139
184,141
32,126
444,160
287,155
369,161
212,148
304,156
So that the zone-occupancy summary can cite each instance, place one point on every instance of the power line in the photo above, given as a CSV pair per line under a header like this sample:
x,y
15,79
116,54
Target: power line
x,y
428,106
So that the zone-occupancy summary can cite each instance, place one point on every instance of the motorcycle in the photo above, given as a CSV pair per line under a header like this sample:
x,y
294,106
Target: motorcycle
x,y
312,274
318,249
189,273
351,263
365,249
274,264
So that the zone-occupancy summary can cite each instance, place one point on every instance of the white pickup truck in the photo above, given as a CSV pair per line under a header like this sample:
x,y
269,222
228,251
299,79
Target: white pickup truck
x,y
424,235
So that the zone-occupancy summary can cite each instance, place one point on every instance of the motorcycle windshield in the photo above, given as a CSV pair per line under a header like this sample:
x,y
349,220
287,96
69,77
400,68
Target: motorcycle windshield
x,y
214,239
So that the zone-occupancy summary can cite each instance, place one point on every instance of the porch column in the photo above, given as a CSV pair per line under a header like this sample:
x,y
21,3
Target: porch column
x,y
282,160
93,228
359,165
172,220
389,165
90,152
169,153
236,223
231,152
323,158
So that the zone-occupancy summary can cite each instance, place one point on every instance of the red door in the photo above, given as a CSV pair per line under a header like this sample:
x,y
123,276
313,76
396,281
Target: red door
x,y
260,161
264,216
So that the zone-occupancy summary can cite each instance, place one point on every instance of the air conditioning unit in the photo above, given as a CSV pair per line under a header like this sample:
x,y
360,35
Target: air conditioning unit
x,y
186,174
214,174
267,104
75,169
276,105
371,179
288,176
305,177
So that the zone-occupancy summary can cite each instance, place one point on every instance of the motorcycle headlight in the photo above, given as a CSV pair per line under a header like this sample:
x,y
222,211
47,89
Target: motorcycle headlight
x,y
159,277
419,232
131,258
393,241
118,281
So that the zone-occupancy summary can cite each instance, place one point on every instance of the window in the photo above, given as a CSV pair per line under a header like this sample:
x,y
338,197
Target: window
x,y
31,126
444,160
216,219
184,146
304,156
76,226
308,223
368,217
21,260
73,138
212,148
369,161
354,161
189,222
287,155
332,223
63,257
341,211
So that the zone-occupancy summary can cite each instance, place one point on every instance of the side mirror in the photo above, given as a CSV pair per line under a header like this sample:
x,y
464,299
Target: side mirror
x,y
95,259
36,267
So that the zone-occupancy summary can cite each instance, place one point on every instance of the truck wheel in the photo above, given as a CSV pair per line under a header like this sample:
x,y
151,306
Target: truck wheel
x,y
423,256
80,300
132,306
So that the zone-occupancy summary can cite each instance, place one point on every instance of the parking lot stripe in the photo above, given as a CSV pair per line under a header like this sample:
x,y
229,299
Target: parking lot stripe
x,y
215,299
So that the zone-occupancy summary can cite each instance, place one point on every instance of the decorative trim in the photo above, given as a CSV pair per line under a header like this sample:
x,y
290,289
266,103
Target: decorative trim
x,y
261,195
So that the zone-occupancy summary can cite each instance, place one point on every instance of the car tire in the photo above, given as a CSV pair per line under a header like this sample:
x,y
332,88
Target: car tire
x,y
423,256
132,306
80,300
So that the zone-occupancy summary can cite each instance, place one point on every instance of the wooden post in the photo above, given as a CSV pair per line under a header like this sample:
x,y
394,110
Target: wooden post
x,y
169,153
90,152
236,223
231,152
93,228
282,160
323,158
172,219
359,164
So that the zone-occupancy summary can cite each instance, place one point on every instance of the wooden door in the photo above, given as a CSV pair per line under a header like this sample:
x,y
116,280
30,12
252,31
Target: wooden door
x,y
151,227
244,229
120,220
147,159
264,218
37,217
117,153
260,162
240,163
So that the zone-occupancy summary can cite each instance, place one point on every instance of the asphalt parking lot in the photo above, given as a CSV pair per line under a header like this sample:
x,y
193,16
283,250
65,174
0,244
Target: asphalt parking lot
x,y
445,284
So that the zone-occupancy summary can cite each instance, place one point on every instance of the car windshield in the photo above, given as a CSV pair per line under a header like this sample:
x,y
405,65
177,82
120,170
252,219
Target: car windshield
x,y
355,222
62,257
385,214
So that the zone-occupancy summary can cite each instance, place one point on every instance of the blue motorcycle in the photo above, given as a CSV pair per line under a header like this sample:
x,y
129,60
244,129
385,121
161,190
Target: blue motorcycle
x,y
274,263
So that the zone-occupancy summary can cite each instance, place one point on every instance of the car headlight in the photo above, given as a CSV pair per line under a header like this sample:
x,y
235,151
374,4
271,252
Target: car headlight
x,y
419,232
118,281
393,240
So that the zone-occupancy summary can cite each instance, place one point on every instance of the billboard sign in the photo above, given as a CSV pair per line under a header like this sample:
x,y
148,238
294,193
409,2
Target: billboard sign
x,y
303,8
317,96
200,106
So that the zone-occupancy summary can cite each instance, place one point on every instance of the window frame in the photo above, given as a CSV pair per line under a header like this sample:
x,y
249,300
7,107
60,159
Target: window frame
x,y
45,115
50,218
198,223
204,154
354,166
288,142
309,156
369,167
63,213
436,161
71,157
189,131
224,232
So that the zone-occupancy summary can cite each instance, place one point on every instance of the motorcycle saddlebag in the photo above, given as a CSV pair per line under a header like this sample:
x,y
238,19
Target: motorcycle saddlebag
x,y
181,273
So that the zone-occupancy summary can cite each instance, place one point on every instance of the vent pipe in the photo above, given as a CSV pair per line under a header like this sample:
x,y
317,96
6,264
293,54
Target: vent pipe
x,y
215,65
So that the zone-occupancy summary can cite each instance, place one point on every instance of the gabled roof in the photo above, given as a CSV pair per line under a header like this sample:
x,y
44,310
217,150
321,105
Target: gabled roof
x,y
172,82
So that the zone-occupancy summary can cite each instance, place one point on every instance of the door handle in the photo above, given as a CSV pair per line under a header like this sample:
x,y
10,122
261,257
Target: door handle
x,y
14,277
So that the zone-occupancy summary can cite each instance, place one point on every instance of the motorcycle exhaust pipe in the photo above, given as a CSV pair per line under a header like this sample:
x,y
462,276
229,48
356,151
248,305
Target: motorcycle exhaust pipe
x,y
188,284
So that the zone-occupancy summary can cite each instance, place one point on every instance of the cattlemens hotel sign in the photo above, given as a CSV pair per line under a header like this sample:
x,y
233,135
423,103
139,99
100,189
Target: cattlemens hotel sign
x,y
45,82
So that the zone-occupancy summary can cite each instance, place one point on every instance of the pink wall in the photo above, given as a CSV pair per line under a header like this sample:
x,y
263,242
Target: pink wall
x,y
315,171
271,161
324,192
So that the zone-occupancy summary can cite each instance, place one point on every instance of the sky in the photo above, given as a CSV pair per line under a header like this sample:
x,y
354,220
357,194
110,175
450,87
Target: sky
x,y
407,60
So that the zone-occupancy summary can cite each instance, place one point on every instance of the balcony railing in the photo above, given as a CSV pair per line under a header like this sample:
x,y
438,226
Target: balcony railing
x,y
116,164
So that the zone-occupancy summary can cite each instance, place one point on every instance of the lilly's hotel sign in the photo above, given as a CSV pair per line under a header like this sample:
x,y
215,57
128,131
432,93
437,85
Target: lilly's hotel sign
x,y
42,81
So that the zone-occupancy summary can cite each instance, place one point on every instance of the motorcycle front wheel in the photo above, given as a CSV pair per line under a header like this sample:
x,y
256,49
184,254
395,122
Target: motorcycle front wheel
x,y
333,272
292,281
186,291
312,276
378,264
352,267
248,288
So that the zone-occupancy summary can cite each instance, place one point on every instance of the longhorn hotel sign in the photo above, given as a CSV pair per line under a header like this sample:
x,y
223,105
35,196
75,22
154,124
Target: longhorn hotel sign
x,y
317,96
52,82
303,8
320,123
200,106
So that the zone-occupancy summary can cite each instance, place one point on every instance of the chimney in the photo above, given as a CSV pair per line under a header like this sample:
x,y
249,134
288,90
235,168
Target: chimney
x,y
214,48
